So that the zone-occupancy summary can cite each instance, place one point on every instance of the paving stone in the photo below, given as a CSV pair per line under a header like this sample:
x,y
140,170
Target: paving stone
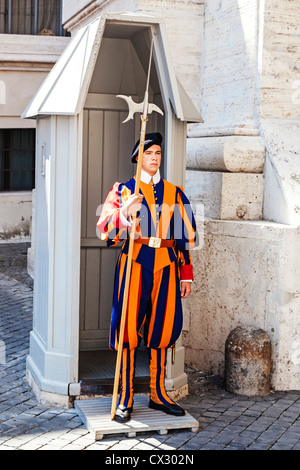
x,y
227,421
279,446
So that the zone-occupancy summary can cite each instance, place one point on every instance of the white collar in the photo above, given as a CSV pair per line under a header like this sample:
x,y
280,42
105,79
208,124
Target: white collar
x,y
146,178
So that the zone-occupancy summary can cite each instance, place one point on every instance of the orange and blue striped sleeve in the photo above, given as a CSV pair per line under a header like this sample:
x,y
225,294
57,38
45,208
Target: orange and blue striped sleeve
x,y
186,235
109,223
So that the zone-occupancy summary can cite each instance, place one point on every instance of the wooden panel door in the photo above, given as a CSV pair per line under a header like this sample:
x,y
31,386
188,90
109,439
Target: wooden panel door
x,y
106,159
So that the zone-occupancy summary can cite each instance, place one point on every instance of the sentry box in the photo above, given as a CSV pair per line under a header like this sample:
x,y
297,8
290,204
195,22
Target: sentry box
x,y
82,148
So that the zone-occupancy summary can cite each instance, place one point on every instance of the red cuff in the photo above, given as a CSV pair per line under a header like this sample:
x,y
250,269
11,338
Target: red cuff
x,y
186,272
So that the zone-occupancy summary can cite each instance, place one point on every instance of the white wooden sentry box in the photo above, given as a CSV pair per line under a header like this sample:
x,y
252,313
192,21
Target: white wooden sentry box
x,y
82,148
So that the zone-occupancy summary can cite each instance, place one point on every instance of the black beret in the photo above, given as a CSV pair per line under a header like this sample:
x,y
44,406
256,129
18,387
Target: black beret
x,y
155,138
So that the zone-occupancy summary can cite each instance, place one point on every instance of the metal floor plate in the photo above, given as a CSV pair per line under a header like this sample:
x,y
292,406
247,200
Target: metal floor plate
x,y
95,414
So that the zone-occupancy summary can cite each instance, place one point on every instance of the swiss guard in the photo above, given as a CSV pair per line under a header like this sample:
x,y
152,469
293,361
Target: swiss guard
x,y
161,272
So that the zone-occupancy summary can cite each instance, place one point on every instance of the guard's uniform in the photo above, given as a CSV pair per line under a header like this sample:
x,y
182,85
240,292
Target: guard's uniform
x,y
154,299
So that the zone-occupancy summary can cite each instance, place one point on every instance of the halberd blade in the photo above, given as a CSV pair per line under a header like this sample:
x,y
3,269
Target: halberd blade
x,y
134,107
152,107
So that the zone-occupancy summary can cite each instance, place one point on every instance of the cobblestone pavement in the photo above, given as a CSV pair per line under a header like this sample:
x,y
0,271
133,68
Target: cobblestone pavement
x,y
227,421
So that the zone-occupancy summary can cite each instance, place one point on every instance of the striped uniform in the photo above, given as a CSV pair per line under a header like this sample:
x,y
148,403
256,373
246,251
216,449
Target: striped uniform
x,y
154,300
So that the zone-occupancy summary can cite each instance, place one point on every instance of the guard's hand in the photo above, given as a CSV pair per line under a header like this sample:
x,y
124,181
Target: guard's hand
x,y
185,289
132,205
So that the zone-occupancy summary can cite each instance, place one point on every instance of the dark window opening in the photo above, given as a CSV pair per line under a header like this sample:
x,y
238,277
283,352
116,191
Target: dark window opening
x,y
32,17
17,159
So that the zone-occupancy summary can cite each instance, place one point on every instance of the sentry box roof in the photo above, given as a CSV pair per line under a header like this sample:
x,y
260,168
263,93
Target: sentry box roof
x,y
65,89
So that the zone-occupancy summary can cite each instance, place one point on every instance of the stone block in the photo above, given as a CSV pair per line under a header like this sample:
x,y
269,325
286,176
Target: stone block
x,y
244,154
226,196
242,196
204,189
248,361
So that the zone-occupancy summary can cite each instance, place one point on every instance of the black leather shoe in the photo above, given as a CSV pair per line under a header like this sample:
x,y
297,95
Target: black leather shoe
x,y
123,415
169,408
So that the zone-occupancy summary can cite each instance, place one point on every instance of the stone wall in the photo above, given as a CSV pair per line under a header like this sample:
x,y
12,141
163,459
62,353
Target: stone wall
x,y
16,215
245,275
229,62
243,163
279,60
238,61
279,109
24,63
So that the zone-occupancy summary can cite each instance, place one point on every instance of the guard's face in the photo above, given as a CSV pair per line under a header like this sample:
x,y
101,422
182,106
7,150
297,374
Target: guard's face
x,y
152,159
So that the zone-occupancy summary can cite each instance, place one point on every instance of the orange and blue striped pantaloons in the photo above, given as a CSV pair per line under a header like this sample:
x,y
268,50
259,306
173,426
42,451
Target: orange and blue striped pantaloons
x,y
157,359
127,372
154,302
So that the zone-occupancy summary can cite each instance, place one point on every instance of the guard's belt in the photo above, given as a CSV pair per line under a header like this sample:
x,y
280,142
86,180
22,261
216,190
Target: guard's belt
x,y
155,242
